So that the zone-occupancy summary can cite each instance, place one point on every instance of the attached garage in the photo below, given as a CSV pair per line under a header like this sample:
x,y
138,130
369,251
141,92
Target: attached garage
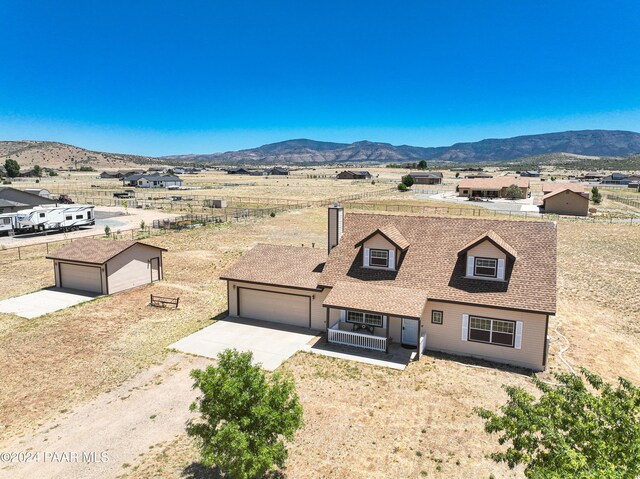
x,y
287,308
105,266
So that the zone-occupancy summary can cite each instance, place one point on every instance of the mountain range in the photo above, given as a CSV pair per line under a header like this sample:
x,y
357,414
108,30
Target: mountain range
x,y
302,151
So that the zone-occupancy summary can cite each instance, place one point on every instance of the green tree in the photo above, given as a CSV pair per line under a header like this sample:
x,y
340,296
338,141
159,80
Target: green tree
x,y
107,230
596,197
12,167
243,416
457,174
402,187
407,180
422,165
513,192
37,170
573,429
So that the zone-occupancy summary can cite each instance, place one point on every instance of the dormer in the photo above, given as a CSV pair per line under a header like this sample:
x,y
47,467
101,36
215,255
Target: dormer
x,y
383,248
486,257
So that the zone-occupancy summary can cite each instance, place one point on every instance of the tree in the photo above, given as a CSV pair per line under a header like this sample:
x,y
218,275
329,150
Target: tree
x,y
243,416
574,429
407,180
596,197
457,174
422,165
12,167
402,187
37,170
513,192
107,230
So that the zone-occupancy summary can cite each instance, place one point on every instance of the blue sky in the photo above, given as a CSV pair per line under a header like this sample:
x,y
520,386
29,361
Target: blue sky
x,y
195,76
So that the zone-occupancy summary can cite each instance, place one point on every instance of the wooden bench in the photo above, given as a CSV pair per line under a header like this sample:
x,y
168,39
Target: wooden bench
x,y
163,302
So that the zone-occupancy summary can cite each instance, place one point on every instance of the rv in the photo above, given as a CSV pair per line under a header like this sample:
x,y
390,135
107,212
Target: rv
x,y
54,218
7,223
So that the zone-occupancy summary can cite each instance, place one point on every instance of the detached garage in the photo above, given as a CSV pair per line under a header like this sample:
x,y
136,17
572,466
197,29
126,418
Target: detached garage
x,y
105,266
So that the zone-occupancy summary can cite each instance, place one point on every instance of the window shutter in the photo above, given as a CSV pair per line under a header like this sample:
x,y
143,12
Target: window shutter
x,y
518,343
500,269
470,261
343,315
465,326
392,259
366,257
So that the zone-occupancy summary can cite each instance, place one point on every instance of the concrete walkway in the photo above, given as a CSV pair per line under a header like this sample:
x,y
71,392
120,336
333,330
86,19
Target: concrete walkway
x,y
44,301
270,343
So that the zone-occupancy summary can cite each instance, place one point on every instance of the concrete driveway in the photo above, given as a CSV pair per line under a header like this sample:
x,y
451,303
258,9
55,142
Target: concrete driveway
x,y
271,343
44,301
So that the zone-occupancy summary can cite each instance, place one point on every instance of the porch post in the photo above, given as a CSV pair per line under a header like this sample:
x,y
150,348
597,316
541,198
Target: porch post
x,y
419,345
326,338
386,344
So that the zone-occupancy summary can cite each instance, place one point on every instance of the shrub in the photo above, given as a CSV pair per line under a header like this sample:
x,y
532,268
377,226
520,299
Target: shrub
x,y
596,197
407,180
243,416
142,224
513,192
107,230
272,214
402,187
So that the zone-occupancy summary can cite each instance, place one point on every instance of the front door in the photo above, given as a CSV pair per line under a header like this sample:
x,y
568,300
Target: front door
x,y
410,332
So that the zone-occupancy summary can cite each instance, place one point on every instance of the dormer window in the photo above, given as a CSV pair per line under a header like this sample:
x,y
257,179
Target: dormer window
x,y
379,258
486,267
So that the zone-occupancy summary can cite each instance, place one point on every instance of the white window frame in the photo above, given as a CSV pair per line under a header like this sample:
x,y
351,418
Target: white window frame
x,y
363,315
491,331
372,251
475,267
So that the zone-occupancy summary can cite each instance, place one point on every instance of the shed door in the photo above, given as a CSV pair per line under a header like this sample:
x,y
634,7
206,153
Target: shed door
x,y
82,277
410,332
277,307
155,269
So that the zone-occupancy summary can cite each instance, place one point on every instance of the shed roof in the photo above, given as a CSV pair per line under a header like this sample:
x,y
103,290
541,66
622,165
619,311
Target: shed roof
x,y
94,251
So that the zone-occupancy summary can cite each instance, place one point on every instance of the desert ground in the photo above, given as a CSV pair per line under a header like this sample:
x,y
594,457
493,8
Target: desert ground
x,y
90,362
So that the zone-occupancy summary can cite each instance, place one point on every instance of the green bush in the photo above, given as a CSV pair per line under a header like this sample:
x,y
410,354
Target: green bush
x,y
408,180
402,187
596,197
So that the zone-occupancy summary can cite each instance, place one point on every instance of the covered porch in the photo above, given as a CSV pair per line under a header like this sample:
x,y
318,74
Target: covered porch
x,y
375,318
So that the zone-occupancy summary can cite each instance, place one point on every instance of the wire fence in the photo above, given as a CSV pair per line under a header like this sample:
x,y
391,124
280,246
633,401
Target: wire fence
x,y
635,202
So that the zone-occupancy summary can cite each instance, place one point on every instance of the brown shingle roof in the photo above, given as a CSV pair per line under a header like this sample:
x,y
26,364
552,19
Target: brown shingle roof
x,y
494,238
391,233
432,263
493,183
550,187
390,300
94,251
292,266
561,190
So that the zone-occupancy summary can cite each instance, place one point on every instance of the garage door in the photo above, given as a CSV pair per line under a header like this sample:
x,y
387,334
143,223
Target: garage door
x,y
276,307
85,278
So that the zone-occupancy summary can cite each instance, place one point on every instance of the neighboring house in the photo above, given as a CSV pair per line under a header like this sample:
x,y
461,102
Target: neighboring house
x,y
565,199
492,187
146,180
593,176
119,174
530,174
481,288
353,175
13,199
257,172
615,179
478,175
106,267
279,171
39,191
426,177
238,171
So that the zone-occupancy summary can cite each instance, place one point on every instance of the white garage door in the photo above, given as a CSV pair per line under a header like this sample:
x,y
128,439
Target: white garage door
x,y
85,278
276,307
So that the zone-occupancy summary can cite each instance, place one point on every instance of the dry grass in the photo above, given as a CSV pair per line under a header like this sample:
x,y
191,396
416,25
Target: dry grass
x,y
360,421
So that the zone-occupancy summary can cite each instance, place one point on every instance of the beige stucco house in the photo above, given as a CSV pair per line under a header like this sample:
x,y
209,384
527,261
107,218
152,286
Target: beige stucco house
x,y
481,288
565,199
492,187
105,266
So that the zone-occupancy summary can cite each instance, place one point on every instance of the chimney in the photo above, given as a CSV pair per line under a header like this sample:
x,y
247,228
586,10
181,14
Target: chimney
x,y
336,225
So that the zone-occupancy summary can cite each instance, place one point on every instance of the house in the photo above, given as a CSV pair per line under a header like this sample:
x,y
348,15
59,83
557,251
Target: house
x,y
426,177
593,176
145,180
615,179
238,171
119,174
13,199
480,288
478,175
530,174
106,267
278,171
492,187
353,175
565,199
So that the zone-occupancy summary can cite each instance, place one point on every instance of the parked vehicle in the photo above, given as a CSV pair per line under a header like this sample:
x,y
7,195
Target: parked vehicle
x,y
65,200
54,218
7,223
125,194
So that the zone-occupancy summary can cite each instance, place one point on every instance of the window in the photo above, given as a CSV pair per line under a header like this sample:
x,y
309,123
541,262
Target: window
x,y
379,257
493,331
486,267
364,318
68,217
436,317
6,221
41,215
78,217
89,214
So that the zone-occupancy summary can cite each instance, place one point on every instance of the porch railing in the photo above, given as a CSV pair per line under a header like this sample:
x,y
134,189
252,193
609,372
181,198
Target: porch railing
x,y
358,340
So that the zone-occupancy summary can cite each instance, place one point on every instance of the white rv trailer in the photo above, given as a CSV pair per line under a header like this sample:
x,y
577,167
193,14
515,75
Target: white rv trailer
x,y
54,218
7,223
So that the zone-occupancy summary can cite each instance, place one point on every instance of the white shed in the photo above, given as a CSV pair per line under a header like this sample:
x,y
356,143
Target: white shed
x,y
106,266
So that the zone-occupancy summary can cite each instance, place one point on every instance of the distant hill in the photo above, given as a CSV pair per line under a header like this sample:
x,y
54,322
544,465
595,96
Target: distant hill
x,y
585,142
59,155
